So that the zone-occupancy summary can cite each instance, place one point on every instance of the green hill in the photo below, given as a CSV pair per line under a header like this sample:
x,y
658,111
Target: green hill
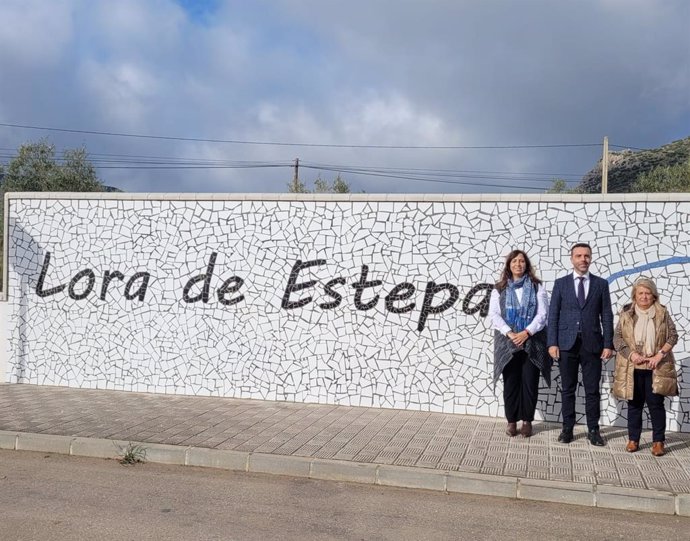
x,y
626,165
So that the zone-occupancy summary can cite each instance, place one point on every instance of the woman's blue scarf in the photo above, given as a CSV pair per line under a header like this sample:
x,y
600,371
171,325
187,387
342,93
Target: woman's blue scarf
x,y
520,314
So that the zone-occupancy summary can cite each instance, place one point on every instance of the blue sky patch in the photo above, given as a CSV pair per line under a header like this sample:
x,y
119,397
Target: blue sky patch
x,y
199,10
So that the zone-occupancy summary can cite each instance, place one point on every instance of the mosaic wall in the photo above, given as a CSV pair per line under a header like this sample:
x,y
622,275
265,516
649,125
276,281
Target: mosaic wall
x,y
359,303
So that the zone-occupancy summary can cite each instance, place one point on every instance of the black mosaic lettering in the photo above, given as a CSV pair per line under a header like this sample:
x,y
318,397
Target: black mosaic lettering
x,y
231,285
337,297
483,305
360,286
400,292
293,286
432,288
206,278
75,280
41,280
107,278
141,291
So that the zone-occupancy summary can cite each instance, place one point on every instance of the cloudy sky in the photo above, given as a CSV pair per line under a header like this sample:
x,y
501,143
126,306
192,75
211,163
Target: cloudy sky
x,y
336,82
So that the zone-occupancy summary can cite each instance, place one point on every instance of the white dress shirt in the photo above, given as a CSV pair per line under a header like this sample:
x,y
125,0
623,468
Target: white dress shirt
x,y
537,324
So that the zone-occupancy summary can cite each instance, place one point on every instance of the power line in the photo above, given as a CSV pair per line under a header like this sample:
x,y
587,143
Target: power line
x,y
491,175
377,168
285,144
183,167
353,171
137,161
144,162
408,174
625,147
423,179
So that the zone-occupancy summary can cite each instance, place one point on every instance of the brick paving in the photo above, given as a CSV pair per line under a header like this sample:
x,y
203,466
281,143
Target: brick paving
x,y
426,440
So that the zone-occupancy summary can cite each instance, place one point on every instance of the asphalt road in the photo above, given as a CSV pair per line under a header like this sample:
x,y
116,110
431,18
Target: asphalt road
x,y
44,496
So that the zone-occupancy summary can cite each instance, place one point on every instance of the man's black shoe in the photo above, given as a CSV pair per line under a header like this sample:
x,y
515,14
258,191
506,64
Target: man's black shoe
x,y
595,438
566,436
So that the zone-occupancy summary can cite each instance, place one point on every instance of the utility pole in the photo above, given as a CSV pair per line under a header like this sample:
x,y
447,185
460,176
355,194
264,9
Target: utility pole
x,y
605,167
295,177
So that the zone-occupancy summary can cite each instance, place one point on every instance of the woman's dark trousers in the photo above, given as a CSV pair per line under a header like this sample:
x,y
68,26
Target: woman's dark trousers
x,y
520,388
642,392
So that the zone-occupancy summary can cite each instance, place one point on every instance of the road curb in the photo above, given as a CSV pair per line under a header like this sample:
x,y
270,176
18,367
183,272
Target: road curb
x,y
407,477
217,458
557,492
630,499
97,448
480,483
602,496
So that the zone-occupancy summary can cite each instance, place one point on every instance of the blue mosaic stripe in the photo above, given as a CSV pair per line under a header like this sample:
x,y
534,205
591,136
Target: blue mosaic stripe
x,y
642,268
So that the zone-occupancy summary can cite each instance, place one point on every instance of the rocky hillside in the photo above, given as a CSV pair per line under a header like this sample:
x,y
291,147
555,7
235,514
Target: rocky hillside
x,y
626,165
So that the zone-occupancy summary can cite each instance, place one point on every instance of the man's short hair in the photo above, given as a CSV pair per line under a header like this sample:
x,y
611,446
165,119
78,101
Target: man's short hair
x,y
580,245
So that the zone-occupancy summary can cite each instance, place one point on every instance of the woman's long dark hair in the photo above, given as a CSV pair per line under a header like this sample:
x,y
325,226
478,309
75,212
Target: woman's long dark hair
x,y
507,275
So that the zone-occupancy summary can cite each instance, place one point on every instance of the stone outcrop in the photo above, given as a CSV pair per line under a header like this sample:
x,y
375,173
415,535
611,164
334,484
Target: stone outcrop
x,y
626,165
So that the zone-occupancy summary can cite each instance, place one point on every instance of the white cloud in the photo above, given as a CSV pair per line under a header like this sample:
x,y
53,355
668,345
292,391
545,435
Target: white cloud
x,y
125,92
34,33
147,29
392,120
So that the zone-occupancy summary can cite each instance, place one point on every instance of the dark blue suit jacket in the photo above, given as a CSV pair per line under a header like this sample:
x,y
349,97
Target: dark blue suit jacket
x,y
594,320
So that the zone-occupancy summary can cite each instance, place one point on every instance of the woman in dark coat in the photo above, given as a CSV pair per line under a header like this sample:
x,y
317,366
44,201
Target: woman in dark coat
x,y
518,310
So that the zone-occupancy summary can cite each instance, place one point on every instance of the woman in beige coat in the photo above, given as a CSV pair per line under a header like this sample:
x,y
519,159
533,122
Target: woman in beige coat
x,y
645,366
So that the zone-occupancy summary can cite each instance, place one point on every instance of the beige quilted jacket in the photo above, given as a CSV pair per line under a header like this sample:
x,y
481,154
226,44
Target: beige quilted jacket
x,y
664,379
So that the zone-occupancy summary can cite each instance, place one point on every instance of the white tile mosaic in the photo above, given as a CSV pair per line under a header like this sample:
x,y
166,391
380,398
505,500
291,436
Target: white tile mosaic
x,y
361,303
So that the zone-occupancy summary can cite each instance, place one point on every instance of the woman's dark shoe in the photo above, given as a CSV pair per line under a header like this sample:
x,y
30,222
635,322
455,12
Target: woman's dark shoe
x,y
526,429
658,448
511,429
632,446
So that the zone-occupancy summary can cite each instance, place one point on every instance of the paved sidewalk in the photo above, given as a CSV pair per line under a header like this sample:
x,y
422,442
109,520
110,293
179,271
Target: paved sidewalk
x,y
392,447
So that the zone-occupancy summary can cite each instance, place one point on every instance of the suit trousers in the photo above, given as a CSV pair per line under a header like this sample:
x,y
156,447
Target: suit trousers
x,y
590,363
642,392
520,388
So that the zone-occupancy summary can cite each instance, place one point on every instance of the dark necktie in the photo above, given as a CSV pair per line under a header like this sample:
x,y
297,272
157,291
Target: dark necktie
x,y
581,291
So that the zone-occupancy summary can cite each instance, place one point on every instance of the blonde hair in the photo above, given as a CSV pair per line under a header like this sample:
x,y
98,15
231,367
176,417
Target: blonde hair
x,y
647,283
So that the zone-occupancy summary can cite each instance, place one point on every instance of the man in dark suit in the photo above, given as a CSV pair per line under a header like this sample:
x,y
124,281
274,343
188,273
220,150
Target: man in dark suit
x,y
580,336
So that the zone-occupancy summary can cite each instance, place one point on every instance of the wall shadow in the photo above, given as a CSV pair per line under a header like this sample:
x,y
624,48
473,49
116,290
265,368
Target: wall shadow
x,y
25,258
